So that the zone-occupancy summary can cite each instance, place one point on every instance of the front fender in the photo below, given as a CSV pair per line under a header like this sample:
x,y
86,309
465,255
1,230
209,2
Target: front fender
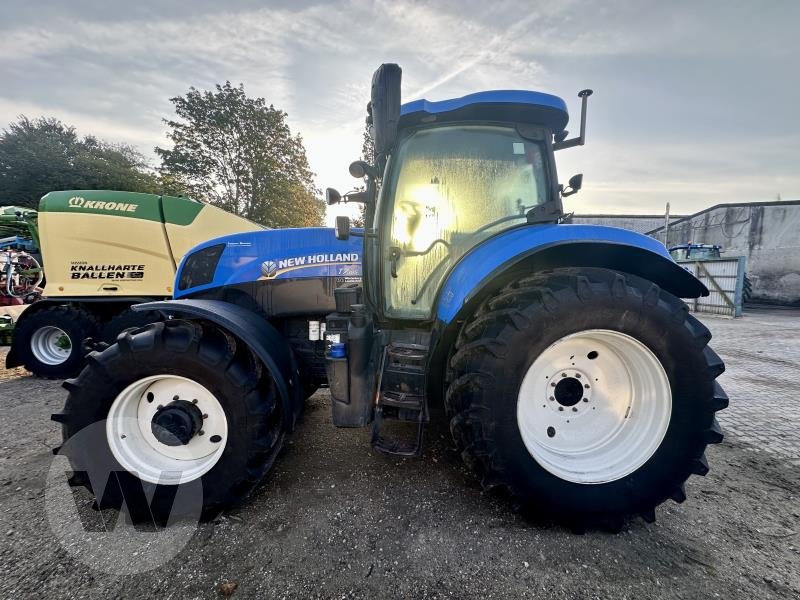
x,y
261,337
551,246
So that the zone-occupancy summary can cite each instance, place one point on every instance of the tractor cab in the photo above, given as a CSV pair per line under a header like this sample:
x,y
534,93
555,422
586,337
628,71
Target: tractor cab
x,y
451,175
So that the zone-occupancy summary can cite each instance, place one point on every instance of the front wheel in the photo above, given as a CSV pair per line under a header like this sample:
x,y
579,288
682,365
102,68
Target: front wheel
x,y
589,394
172,407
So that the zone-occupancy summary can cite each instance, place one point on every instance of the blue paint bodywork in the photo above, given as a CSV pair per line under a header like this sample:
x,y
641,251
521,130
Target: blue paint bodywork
x,y
497,105
479,264
493,97
275,254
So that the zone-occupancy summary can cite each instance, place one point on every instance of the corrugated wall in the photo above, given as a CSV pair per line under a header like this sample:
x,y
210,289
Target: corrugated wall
x,y
767,234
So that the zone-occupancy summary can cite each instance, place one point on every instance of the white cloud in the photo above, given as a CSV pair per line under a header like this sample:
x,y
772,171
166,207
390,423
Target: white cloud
x,y
690,98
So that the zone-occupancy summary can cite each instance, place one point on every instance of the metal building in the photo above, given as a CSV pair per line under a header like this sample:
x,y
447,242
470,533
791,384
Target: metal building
x,y
767,234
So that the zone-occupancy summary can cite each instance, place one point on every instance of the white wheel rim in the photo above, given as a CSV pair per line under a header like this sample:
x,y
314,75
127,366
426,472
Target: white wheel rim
x,y
609,428
51,345
136,448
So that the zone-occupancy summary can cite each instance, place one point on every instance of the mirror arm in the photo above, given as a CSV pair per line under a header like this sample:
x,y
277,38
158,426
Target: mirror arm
x,y
581,139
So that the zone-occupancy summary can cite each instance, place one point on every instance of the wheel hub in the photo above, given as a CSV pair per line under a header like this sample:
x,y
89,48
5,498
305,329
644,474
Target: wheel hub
x,y
594,406
50,345
161,438
568,391
176,423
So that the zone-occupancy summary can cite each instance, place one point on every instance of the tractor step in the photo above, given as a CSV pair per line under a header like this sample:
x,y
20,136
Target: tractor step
x,y
401,397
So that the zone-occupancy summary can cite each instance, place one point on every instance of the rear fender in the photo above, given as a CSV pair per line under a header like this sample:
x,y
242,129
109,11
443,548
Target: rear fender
x,y
260,336
541,247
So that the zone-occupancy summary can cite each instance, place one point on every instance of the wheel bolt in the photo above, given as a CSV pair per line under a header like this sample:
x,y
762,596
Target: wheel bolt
x,y
176,397
551,398
201,432
563,374
574,409
577,375
560,408
553,384
585,399
193,401
215,439
586,385
205,416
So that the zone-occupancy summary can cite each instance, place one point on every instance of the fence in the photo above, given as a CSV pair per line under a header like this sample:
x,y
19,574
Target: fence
x,y
724,278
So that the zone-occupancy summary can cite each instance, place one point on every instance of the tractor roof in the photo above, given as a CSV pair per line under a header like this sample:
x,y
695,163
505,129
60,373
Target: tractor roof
x,y
496,105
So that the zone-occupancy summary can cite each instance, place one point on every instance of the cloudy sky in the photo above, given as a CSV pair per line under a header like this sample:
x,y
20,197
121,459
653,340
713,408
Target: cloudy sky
x,y
695,103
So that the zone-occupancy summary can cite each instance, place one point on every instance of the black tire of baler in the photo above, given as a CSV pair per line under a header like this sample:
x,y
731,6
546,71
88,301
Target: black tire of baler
x,y
200,352
495,349
128,319
76,322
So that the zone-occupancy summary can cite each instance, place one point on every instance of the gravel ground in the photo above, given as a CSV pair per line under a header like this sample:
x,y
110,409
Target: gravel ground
x,y
336,520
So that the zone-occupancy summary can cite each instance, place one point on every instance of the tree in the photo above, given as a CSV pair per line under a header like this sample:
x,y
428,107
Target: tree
x,y
238,152
41,155
368,156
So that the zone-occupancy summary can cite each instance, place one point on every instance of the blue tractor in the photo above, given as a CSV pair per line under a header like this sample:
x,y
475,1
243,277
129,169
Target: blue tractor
x,y
568,368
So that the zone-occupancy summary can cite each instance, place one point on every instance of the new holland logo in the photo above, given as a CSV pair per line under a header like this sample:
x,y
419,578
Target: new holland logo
x,y
81,202
272,268
269,268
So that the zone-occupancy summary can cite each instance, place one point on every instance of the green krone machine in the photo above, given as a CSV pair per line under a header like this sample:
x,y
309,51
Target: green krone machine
x,y
103,251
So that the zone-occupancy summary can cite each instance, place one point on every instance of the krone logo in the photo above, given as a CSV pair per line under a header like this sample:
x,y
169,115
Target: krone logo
x,y
80,202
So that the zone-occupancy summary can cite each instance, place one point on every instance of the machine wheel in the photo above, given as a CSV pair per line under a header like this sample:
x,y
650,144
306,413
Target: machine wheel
x,y
49,341
588,394
178,402
128,319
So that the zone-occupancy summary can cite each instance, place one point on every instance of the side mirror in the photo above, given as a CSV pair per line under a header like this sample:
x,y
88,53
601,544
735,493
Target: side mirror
x,y
575,183
332,196
342,228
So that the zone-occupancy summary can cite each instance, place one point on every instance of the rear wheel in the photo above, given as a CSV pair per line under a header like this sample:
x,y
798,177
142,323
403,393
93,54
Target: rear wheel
x,y
586,393
49,341
177,403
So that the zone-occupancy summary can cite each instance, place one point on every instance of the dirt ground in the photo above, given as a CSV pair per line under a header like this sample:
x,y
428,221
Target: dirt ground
x,y
336,520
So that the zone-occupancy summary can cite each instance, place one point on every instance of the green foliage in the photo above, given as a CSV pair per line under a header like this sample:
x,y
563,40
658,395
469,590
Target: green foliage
x,y
368,156
238,153
41,155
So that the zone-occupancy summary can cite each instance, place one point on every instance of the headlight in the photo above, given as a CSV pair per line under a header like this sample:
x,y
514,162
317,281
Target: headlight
x,y
199,268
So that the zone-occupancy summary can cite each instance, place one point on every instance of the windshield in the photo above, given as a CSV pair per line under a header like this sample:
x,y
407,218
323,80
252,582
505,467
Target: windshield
x,y
703,253
450,188
678,253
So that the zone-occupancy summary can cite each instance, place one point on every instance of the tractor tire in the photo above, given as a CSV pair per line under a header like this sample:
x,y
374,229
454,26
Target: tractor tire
x,y
49,342
127,319
587,394
181,366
